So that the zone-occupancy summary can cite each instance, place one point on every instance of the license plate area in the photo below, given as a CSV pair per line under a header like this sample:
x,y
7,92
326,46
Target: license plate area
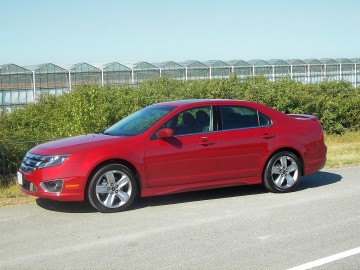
x,y
20,178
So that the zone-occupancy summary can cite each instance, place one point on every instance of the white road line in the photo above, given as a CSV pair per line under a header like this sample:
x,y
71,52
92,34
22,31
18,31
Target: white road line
x,y
13,218
329,259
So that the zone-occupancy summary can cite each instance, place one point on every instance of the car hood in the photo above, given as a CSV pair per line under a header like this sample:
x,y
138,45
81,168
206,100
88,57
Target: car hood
x,y
76,144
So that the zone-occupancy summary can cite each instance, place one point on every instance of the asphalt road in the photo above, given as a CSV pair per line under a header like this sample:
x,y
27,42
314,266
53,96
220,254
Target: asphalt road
x,y
232,228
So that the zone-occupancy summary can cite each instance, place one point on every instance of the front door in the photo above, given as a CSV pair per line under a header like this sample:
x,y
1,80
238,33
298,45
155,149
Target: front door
x,y
189,157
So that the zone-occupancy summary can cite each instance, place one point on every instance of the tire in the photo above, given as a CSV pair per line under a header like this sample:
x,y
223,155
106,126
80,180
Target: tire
x,y
112,188
282,172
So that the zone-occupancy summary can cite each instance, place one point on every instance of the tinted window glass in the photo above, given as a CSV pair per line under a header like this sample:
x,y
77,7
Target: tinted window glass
x,y
139,121
235,117
264,120
191,121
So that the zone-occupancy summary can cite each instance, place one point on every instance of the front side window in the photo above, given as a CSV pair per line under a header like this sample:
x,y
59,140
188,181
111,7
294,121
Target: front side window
x,y
193,121
238,117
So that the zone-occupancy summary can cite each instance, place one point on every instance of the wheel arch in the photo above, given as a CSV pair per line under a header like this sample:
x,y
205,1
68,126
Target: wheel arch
x,y
289,149
124,162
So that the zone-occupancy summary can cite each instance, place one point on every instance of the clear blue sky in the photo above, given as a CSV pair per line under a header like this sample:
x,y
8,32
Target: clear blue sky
x,y
97,31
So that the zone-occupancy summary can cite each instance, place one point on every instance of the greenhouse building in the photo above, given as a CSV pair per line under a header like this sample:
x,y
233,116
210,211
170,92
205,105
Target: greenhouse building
x,y
21,85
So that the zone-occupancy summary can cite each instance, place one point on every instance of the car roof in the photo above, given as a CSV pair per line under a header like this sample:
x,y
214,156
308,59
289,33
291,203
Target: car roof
x,y
191,103
178,103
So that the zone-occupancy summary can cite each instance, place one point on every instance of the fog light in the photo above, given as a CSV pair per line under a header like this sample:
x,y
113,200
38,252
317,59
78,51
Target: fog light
x,y
52,186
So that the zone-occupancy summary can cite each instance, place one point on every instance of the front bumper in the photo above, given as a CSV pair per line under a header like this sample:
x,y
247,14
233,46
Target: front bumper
x,y
72,190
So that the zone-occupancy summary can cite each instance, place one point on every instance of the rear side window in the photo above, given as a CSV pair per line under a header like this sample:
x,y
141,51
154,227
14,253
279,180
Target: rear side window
x,y
264,121
238,117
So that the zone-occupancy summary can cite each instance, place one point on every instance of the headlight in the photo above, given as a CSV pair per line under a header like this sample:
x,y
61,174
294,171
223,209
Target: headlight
x,y
49,161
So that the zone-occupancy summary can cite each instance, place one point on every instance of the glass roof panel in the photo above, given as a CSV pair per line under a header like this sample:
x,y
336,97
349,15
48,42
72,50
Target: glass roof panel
x,y
168,65
258,63
50,68
238,63
193,64
216,63
313,61
143,66
278,62
13,69
115,66
355,60
329,61
296,62
344,61
84,67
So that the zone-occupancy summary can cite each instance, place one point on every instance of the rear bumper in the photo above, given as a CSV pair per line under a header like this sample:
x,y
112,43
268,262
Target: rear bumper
x,y
316,164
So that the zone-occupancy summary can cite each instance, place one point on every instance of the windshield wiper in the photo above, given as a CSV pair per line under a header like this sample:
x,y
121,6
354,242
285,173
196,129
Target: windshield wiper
x,y
105,133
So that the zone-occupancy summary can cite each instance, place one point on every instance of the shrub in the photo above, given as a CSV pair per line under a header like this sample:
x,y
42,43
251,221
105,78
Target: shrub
x,y
90,109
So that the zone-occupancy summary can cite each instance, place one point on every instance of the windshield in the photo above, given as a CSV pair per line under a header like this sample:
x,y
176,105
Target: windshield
x,y
139,121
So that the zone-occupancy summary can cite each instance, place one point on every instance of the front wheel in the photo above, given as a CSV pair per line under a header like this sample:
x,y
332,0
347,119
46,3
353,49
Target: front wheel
x,y
282,172
112,188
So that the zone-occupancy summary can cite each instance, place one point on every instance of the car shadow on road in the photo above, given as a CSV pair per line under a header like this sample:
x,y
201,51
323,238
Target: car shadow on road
x,y
315,180
202,195
65,207
318,179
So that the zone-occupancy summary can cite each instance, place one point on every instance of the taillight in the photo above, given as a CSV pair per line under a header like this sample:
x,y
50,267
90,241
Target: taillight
x,y
321,132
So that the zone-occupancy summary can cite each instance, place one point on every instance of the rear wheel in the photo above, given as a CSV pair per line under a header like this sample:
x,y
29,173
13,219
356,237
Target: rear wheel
x,y
112,188
282,172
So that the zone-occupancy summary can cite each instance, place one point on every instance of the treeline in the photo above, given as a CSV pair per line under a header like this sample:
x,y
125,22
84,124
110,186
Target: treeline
x,y
89,109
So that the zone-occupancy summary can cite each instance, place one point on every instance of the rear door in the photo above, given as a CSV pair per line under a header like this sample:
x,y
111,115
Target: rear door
x,y
245,137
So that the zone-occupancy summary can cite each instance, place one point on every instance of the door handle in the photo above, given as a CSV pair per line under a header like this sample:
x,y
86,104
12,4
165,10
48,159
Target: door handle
x,y
268,136
205,142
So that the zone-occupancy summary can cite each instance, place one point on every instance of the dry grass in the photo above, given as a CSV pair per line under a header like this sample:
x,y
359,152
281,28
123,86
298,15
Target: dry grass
x,y
12,195
342,151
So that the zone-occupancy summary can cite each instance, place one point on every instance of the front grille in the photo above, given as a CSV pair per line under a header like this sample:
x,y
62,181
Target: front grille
x,y
30,162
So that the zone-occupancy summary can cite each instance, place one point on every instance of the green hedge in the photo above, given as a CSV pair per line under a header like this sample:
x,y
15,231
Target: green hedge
x,y
90,109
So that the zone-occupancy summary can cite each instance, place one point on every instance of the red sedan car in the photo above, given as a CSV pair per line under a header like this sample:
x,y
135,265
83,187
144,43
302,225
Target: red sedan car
x,y
175,147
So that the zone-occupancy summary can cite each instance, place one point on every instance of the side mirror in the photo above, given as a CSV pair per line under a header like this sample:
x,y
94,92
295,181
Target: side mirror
x,y
165,133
